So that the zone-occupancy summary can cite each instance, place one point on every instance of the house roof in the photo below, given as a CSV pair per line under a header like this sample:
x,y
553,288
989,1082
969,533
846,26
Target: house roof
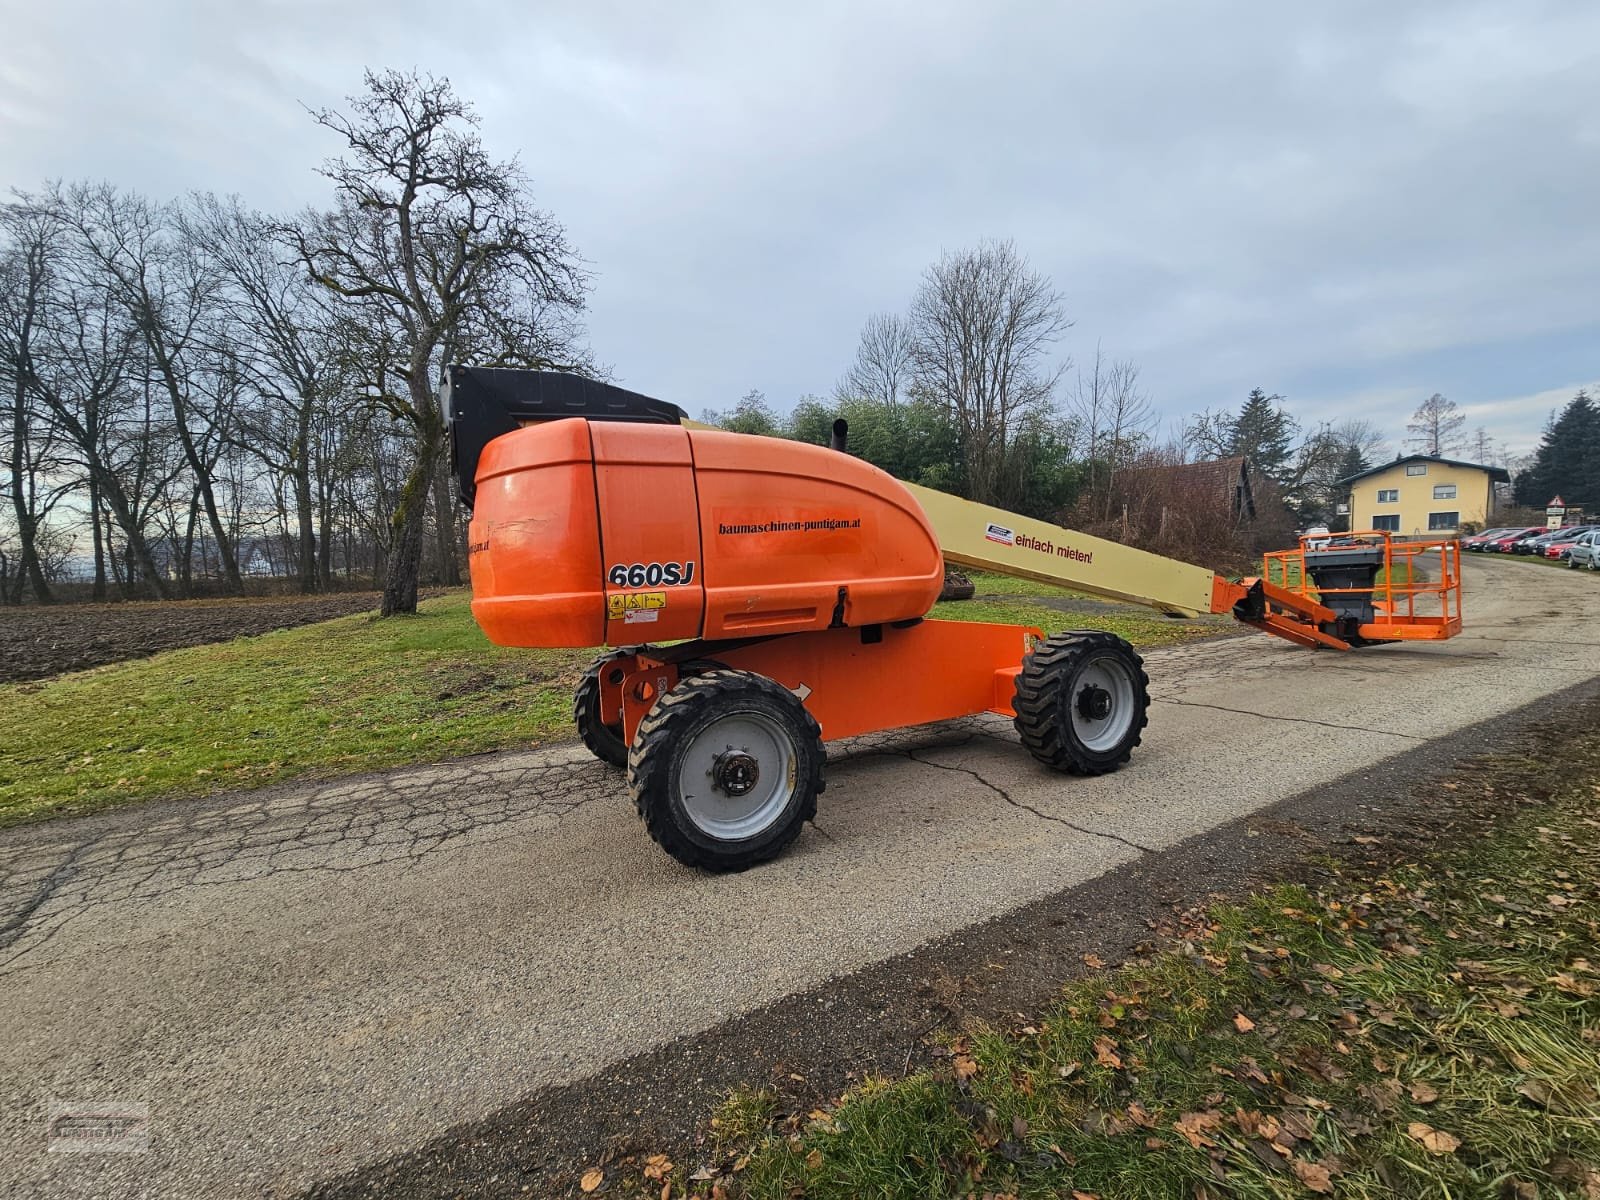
x,y
1498,474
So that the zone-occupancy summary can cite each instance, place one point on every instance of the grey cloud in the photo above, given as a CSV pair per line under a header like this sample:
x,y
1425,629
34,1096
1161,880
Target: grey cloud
x,y
1332,203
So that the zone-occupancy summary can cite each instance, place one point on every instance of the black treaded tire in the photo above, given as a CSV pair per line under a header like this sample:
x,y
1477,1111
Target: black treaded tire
x,y
1051,678
671,731
604,741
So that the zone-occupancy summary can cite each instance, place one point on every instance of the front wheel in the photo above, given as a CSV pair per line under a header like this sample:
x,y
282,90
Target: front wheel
x,y
1081,702
725,769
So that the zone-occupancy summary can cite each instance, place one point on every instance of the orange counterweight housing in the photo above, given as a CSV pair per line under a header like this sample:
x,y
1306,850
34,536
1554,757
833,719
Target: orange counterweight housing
x,y
587,533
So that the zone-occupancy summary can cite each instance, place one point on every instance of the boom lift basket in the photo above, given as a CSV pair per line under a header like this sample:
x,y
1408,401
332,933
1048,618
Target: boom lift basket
x,y
1379,589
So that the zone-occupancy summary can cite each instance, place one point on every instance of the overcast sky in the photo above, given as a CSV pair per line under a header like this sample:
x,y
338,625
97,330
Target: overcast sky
x,y
1353,207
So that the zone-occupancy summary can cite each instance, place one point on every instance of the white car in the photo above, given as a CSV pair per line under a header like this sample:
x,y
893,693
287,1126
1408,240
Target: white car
x,y
1585,551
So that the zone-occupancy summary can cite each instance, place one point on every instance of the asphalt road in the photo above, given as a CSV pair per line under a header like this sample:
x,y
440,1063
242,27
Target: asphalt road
x,y
302,980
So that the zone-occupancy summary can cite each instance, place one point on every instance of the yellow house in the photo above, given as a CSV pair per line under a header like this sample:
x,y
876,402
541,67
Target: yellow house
x,y
1420,495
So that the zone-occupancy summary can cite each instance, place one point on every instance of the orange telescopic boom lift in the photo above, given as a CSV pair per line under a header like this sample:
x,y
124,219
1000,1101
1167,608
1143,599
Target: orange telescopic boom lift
x,y
764,595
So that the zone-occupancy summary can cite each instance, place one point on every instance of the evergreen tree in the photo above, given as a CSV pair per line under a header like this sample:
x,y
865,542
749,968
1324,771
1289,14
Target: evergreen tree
x,y
1565,464
1264,434
1353,462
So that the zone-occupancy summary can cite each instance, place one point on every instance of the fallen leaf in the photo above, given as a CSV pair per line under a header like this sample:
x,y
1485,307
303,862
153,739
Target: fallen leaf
x,y
1243,1023
1434,1141
1423,1092
1093,961
1077,1195
1536,1090
1193,1126
1105,1053
657,1166
1567,982
592,1179
814,1159
966,1067
1315,1176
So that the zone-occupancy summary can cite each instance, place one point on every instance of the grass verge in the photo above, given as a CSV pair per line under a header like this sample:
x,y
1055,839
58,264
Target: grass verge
x,y
1427,1030
346,695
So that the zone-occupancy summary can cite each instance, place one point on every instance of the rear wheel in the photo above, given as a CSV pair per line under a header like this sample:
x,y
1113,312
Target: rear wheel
x,y
1081,702
603,737
725,769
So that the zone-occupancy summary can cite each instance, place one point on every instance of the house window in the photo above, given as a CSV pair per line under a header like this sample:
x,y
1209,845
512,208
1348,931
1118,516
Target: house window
x,y
1388,495
1390,522
1416,468
1447,520
1444,491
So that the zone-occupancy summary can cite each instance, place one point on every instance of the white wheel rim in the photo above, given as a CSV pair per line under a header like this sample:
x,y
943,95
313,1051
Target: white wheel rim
x,y
1103,683
737,776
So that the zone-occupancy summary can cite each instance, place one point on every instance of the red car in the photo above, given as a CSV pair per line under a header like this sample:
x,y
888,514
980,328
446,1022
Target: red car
x,y
1502,544
1478,541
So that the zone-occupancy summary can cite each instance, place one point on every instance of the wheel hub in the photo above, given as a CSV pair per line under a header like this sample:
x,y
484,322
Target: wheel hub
x,y
735,772
1094,703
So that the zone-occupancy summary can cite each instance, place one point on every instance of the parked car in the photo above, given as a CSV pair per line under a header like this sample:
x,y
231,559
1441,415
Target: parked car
x,y
1503,544
1559,548
1562,538
1584,551
1535,543
1477,541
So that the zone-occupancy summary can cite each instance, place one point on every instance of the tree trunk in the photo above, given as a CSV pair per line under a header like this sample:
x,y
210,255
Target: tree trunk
x,y
202,470
138,548
186,563
304,508
405,552
405,525
444,520
28,566
99,592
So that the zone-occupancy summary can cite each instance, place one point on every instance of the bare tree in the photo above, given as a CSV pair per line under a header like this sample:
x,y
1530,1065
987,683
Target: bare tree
x,y
285,347
428,230
82,371
167,286
1361,435
1436,426
24,280
882,370
1208,435
1113,419
982,325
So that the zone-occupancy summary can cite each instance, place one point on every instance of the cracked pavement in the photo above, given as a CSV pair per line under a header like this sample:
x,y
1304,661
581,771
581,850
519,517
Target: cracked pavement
x,y
308,978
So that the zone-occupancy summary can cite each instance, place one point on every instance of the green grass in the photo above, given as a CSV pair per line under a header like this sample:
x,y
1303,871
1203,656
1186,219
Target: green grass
x,y
987,583
341,696
1429,1032
346,695
1141,630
